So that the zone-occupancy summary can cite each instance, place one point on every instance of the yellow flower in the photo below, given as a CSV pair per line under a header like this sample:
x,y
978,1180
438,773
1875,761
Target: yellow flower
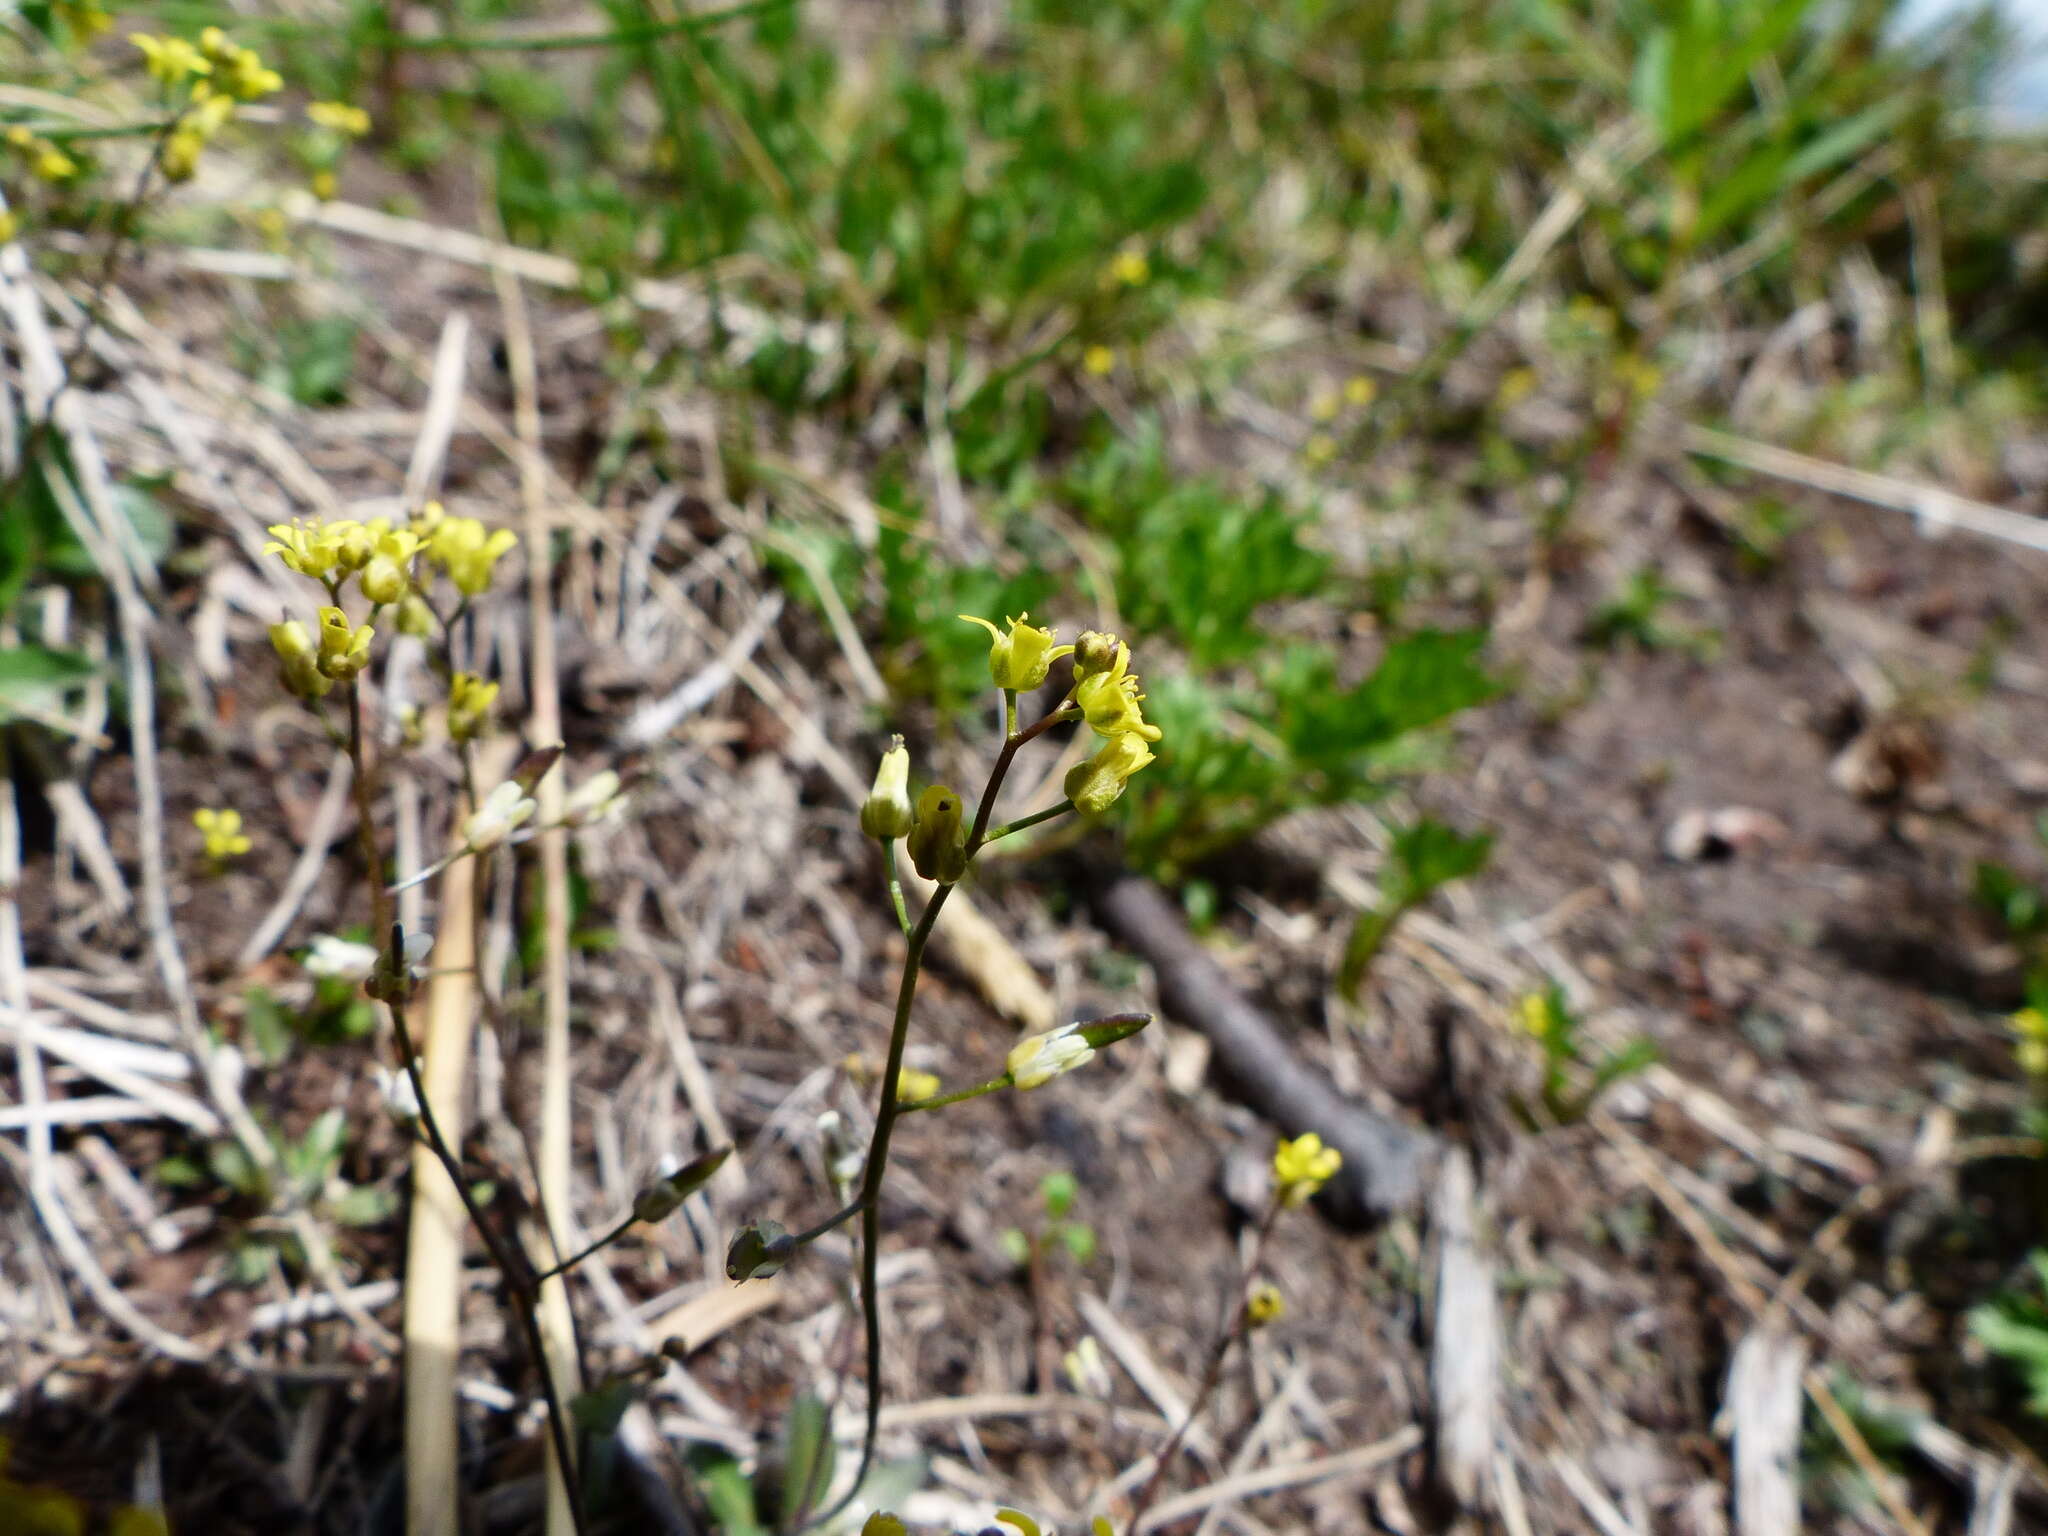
x,y
1319,449
1516,385
1019,660
1109,700
462,548
1323,405
1023,1523
323,185
344,649
170,60
1303,1166
1264,1305
310,548
339,117
1098,360
1130,267
52,164
1537,1014
247,77
222,831
87,18
469,703
1360,389
1095,785
912,1085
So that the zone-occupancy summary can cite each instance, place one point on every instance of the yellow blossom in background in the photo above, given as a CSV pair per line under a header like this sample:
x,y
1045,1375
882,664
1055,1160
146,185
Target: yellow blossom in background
x,y
1130,267
86,18
1098,360
170,60
1360,390
2030,1041
8,228
1319,449
247,77
1537,1014
339,117
52,164
469,704
222,831
1323,405
1303,1166
1516,385
912,1085
462,548
1264,1305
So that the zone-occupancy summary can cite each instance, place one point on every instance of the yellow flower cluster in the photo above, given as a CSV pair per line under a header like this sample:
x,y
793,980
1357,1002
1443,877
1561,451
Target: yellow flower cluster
x,y
382,557
1303,1166
45,160
220,75
339,117
222,831
1108,693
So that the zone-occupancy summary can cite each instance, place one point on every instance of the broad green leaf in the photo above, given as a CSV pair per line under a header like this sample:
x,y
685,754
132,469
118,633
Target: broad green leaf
x,y
34,680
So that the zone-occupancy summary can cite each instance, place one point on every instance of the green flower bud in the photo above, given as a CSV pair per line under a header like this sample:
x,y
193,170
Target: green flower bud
x,y
759,1250
383,580
344,648
1097,652
659,1200
886,813
938,842
1094,785
298,660
1020,659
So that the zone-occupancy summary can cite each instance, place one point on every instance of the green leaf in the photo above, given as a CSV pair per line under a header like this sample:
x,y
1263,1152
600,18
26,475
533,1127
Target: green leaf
x,y
265,1026
808,1457
363,1205
1080,1240
728,1493
1428,855
34,680
1058,1191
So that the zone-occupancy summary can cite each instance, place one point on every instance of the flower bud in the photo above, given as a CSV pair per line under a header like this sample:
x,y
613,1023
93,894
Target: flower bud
x,y
344,649
938,842
1096,652
881,1524
415,618
759,1250
336,959
886,812
659,1200
504,809
469,704
357,545
299,660
1038,1059
1094,786
1264,1305
597,798
383,580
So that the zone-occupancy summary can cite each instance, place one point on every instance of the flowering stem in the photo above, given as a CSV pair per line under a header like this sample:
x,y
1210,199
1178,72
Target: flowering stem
x,y
835,1220
513,1266
1029,821
1236,1328
940,1101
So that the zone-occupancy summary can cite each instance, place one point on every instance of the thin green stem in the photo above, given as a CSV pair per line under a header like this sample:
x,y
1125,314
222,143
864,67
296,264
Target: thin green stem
x,y
578,1257
512,1265
941,1100
837,1219
890,1111
1028,821
895,885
